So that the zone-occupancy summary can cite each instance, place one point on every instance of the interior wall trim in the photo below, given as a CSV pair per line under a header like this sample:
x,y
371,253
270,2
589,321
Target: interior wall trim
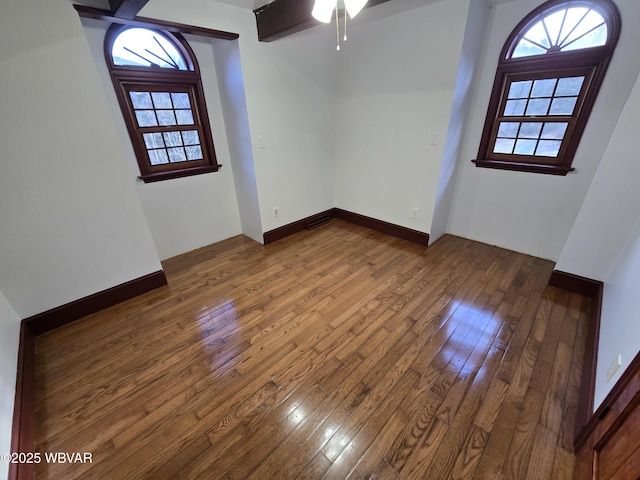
x,y
293,227
23,428
575,283
381,226
59,316
24,406
384,227
592,289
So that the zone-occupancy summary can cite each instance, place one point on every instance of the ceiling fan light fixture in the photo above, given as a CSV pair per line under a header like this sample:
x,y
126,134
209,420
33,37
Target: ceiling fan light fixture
x,y
354,6
323,10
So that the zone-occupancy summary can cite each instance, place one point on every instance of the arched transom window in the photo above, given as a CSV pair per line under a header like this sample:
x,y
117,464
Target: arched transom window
x,y
158,85
547,80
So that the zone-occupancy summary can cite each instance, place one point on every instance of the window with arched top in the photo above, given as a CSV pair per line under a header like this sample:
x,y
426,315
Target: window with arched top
x,y
158,86
548,77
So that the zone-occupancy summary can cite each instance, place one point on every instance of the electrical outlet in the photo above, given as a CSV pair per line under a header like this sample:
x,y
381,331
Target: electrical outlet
x,y
617,363
414,212
276,212
260,139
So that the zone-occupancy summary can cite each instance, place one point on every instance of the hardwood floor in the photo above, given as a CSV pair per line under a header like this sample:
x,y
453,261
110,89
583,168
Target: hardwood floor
x,y
337,353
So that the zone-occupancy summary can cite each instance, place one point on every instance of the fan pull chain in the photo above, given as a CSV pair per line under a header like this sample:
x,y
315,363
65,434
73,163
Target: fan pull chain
x,y
345,26
337,29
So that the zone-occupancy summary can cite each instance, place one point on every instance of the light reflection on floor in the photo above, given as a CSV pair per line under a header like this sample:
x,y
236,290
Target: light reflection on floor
x,y
216,323
474,328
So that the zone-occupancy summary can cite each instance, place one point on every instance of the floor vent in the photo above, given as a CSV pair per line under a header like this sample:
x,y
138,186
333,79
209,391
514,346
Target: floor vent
x,y
317,221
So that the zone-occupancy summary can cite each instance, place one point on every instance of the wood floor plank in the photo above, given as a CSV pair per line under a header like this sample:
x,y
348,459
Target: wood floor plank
x,y
376,420
470,455
371,460
543,454
334,353
563,464
495,454
315,468
491,404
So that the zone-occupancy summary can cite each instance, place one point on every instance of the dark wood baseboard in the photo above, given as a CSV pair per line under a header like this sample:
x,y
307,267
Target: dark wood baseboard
x,y
592,289
59,316
293,227
385,227
575,283
23,428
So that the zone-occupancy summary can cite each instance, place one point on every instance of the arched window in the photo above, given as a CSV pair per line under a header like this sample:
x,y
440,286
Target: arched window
x,y
548,76
158,85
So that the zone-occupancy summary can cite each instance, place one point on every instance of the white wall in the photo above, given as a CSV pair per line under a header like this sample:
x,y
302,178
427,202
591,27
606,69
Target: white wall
x,y
604,244
470,61
188,213
185,213
606,218
290,96
71,222
534,213
9,335
234,109
620,328
397,78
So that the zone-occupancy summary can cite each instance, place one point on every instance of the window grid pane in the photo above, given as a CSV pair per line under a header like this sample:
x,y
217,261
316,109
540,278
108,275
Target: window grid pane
x,y
548,148
172,139
173,147
530,130
146,118
194,153
190,137
525,147
153,140
177,154
155,109
543,97
536,106
504,145
522,129
563,106
542,139
185,117
158,156
161,108
544,88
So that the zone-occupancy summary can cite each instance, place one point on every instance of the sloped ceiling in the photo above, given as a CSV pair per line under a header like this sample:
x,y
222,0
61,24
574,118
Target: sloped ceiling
x,y
280,18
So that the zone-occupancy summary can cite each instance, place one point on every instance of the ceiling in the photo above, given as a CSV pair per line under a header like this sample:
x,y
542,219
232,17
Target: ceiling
x,y
253,4
248,4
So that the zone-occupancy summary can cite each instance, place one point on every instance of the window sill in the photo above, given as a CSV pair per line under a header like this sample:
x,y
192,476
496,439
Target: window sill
x,y
524,167
186,172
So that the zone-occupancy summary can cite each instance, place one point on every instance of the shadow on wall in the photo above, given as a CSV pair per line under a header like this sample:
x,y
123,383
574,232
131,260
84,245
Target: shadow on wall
x,y
236,119
620,329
